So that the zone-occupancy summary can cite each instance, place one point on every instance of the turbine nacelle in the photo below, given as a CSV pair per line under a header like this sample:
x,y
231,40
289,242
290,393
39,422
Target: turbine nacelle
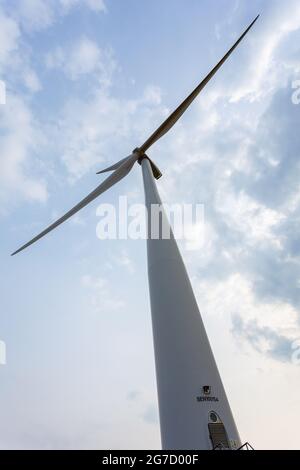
x,y
155,170
141,155
137,156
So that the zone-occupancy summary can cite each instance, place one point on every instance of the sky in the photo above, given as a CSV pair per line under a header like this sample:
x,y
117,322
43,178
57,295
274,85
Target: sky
x,y
86,82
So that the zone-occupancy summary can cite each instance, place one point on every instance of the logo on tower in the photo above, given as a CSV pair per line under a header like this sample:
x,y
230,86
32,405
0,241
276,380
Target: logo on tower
x,y
206,394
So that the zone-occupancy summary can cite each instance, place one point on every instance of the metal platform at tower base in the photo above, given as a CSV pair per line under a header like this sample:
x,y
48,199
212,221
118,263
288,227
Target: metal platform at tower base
x,y
245,446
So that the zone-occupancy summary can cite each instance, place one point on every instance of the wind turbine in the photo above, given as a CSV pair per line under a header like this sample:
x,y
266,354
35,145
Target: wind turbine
x,y
193,407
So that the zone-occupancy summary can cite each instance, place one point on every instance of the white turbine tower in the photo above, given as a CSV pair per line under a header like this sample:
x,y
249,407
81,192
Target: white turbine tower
x,y
193,407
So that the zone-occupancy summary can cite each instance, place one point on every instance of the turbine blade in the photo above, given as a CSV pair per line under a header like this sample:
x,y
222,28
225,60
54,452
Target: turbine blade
x,y
113,167
119,174
173,118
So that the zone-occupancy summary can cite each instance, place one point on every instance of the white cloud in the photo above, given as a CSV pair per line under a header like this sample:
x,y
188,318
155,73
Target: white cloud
x,y
268,70
103,296
19,134
254,220
235,296
94,5
88,137
32,81
9,37
15,60
84,57
35,15
18,140
85,60
152,95
123,259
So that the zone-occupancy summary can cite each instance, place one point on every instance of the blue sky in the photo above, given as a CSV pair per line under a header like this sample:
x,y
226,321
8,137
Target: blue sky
x,y
87,80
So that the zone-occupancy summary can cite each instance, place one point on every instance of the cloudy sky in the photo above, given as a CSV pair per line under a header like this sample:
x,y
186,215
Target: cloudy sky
x,y
86,81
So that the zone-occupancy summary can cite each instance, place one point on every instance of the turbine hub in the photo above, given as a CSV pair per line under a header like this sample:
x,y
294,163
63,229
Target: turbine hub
x,y
140,153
